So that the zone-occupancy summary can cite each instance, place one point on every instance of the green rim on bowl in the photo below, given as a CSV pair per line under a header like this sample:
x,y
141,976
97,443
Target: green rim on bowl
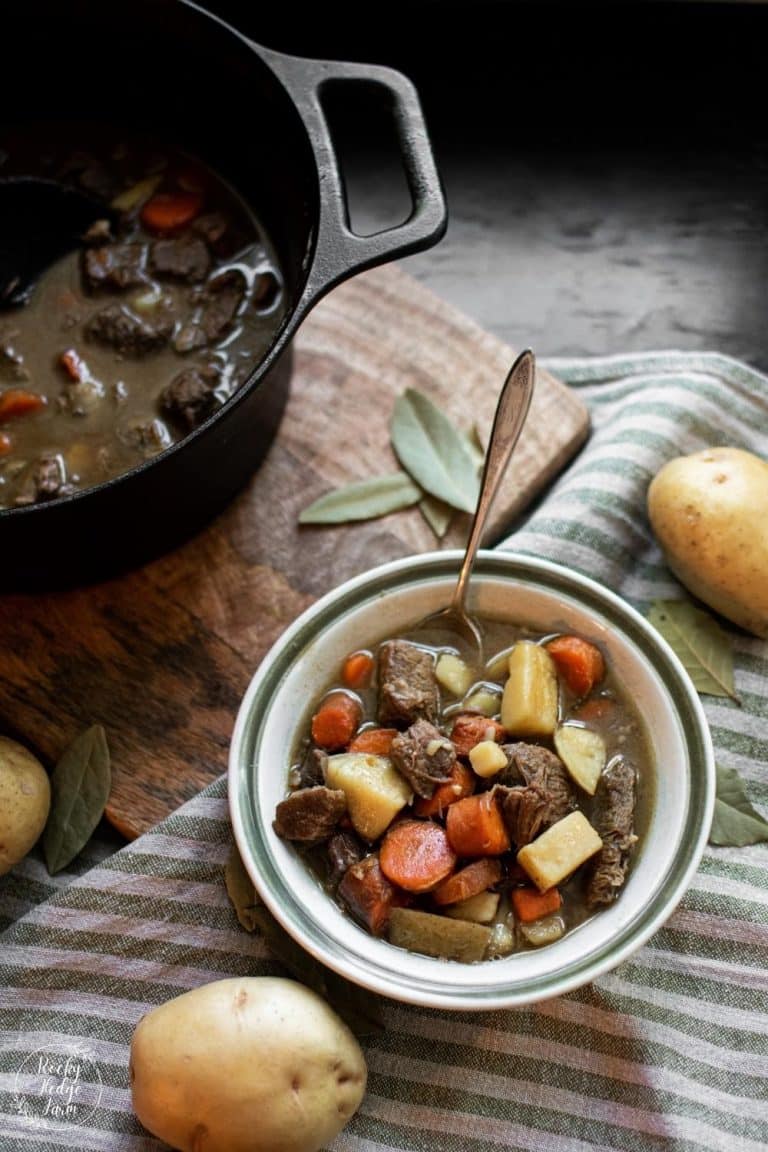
x,y
377,603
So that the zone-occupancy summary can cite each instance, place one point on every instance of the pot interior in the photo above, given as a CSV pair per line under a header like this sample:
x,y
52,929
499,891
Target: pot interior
x,y
167,68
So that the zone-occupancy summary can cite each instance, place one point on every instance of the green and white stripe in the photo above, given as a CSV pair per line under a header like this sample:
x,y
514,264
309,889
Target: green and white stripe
x,y
667,1052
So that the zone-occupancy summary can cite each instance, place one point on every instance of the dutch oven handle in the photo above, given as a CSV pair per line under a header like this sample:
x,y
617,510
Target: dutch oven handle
x,y
339,251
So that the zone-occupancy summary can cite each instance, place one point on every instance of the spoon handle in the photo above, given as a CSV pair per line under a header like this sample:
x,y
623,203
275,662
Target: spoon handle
x,y
511,412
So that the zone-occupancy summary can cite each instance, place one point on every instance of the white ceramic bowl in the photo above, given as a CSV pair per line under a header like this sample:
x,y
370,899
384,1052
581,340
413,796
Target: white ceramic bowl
x,y
385,601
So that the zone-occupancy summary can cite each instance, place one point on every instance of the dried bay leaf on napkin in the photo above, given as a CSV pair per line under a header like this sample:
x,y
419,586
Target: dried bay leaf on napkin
x,y
702,646
735,822
358,1008
80,785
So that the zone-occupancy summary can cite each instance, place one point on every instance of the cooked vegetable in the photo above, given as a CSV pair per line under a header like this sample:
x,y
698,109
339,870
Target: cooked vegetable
x,y
709,513
336,721
137,193
453,674
18,402
250,1064
357,670
468,882
469,730
501,943
170,211
415,855
475,827
377,741
530,904
375,791
6,444
529,703
583,752
487,759
543,931
484,701
559,851
461,784
439,936
25,800
368,894
480,909
581,663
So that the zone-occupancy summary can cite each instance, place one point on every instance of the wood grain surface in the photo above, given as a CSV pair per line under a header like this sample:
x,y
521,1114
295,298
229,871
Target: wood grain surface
x,y
161,656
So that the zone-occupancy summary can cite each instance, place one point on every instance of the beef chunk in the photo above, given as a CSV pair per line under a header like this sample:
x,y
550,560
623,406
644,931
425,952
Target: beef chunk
x,y
149,438
190,397
344,850
310,814
114,266
532,764
311,770
181,258
534,791
423,756
613,819
49,478
128,333
215,316
211,226
224,295
407,685
527,811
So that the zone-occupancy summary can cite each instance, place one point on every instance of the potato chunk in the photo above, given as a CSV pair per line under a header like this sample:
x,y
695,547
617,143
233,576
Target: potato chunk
x,y
559,851
438,935
583,752
529,702
479,909
453,674
374,789
487,758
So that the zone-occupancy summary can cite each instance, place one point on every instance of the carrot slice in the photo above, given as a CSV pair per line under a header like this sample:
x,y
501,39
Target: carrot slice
x,y
469,881
415,855
6,444
475,827
170,211
357,670
461,784
375,741
73,365
580,663
530,904
336,720
18,402
469,730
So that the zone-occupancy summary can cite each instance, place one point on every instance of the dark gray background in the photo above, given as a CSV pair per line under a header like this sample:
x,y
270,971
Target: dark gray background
x,y
606,165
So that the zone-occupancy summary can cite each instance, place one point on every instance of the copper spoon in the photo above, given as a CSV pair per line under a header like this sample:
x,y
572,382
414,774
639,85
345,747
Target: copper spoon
x,y
511,411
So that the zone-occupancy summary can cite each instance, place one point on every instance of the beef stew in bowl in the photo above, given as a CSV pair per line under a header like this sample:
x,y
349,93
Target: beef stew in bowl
x,y
138,336
675,793
471,812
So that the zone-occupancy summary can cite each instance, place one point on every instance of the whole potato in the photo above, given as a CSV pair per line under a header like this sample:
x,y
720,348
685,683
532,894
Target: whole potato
x,y
25,800
254,1064
709,513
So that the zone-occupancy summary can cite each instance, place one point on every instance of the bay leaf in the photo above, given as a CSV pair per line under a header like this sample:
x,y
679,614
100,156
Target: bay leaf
x,y
437,514
735,822
700,643
363,500
433,451
80,785
477,448
241,890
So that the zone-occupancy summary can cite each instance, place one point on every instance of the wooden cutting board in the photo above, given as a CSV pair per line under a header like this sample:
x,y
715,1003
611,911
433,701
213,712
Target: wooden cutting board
x,y
162,655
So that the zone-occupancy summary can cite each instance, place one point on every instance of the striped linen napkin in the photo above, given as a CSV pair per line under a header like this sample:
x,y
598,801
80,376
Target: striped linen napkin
x,y
667,1052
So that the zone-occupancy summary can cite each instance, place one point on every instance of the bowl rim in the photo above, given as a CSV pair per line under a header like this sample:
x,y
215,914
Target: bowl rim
x,y
595,599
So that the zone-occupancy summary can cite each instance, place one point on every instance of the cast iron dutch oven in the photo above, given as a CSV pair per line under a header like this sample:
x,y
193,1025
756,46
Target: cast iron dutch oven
x,y
257,117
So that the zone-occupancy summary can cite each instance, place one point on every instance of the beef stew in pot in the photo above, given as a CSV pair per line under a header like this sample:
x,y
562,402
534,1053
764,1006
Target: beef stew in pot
x,y
471,812
133,340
